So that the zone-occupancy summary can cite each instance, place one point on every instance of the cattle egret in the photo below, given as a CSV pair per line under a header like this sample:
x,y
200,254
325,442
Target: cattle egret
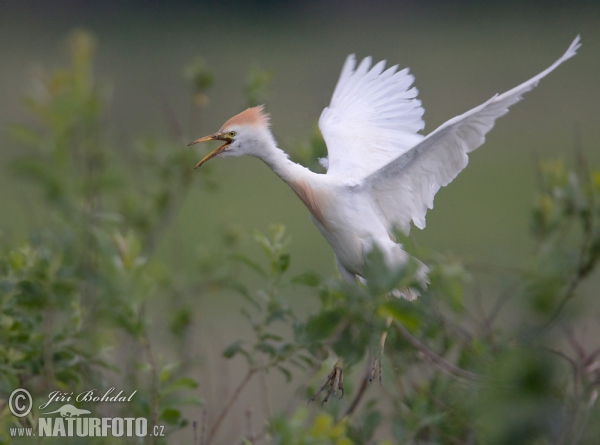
x,y
381,173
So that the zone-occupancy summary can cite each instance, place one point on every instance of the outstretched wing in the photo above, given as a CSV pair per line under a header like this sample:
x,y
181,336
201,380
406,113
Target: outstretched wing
x,y
373,118
403,190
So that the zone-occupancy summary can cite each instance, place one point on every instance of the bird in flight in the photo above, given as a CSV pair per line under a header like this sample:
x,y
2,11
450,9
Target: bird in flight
x,y
381,173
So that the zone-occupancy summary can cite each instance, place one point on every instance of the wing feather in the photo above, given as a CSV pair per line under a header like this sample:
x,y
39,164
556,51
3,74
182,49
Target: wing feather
x,y
374,117
404,189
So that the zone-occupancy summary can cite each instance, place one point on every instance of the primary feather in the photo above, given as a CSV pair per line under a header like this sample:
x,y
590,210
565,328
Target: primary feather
x,y
374,116
404,188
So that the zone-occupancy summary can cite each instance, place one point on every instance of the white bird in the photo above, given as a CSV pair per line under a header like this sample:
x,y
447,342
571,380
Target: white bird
x,y
381,173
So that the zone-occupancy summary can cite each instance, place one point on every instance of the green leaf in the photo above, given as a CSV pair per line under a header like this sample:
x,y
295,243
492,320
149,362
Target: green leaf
x,y
170,416
24,135
402,311
182,383
311,279
322,325
31,294
233,349
165,373
286,372
251,264
371,421
267,348
244,292
284,261
269,336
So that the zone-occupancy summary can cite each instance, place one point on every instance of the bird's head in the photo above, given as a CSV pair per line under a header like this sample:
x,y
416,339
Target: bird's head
x,y
241,135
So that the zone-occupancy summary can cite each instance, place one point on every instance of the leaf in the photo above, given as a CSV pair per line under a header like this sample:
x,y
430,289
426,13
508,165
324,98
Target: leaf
x,y
269,336
286,372
233,349
284,261
170,416
24,135
196,401
251,264
181,383
380,278
244,292
311,279
371,421
322,325
32,294
267,348
402,311
165,373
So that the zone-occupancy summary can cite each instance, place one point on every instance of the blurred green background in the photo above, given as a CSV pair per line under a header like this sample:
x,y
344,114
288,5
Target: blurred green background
x,y
461,53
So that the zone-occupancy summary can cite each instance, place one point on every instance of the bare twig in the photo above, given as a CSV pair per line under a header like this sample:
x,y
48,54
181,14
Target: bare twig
x,y
203,428
250,434
154,380
500,302
229,404
586,262
265,393
171,119
361,390
435,358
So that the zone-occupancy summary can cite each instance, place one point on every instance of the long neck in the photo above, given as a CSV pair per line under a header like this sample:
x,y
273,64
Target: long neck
x,y
279,162
299,178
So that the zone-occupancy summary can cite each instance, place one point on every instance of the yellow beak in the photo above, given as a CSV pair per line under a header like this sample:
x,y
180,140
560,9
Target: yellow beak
x,y
212,137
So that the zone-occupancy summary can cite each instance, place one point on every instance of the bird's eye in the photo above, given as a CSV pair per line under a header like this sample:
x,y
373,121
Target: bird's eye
x,y
231,134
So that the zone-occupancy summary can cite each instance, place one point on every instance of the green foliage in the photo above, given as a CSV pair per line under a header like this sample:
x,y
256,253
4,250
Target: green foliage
x,y
81,286
300,430
80,299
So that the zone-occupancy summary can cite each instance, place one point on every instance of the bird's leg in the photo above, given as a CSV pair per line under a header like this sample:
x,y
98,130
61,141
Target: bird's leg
x,y
335,382
377,362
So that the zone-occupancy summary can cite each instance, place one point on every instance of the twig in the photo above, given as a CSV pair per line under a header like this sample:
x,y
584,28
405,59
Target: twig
x,y
435,358
48,361
154,378
171,119
265,393
379,360
361,390
585,263
229,404
250,434
498,306
586,418
203,428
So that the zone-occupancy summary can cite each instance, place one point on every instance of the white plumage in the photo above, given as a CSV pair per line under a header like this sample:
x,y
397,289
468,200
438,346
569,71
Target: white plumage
x,y
381,174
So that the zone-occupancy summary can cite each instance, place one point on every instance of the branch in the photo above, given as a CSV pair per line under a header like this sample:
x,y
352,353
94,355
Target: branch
x,y
435,358
154,378
361,390
586,261
229,404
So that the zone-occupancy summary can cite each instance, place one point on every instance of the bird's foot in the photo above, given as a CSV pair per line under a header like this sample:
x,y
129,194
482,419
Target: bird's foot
x,y
374,369
377,361
335,382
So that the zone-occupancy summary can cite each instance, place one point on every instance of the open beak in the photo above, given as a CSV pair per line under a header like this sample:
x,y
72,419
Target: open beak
x,y
218,151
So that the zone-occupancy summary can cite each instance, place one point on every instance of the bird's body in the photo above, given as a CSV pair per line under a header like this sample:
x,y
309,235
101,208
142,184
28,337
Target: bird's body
x,y
381,174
